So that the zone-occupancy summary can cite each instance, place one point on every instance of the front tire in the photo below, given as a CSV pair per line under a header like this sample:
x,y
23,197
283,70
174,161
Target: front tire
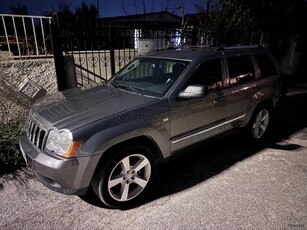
x,y
123,179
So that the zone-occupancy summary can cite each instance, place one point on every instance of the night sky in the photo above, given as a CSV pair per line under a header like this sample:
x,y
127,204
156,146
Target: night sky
x,y
107,8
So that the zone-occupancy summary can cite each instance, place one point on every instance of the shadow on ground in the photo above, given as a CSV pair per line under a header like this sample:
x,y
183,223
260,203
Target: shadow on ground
x,y
209,160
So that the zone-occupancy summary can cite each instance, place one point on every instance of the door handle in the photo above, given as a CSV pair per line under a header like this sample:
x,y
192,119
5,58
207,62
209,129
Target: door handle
x,y
218,100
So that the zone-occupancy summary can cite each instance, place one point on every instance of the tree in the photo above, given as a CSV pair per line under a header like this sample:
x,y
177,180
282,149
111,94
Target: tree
x,y
19,10
86,15
280,19
229,21
78,23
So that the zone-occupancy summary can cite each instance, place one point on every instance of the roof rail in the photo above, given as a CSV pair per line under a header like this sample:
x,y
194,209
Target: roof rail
x,y
239,47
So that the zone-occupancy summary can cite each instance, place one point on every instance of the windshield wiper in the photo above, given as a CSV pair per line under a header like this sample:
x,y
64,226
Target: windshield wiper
x,y
111,83
129,88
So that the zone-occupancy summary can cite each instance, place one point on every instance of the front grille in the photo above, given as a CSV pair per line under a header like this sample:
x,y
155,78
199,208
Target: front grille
x,y
36,134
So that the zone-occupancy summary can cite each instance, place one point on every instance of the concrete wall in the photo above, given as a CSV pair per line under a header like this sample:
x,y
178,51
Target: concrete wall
x,y
13,73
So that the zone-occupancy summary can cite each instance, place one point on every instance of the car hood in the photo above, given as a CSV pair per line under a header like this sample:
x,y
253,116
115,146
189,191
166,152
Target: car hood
x,y
76,107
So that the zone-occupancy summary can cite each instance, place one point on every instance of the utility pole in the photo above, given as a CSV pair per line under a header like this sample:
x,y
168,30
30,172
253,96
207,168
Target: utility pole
x,y
207,22
182,24
182,16
208,7
98,8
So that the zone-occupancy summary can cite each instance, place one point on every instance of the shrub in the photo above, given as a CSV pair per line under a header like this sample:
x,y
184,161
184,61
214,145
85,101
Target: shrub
x,y
10,155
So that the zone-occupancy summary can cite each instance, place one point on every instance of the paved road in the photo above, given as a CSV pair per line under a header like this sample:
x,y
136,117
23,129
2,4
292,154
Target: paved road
x,y
228,184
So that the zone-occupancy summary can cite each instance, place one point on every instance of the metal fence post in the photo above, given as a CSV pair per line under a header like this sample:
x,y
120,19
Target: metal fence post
x,y
58,54
112,54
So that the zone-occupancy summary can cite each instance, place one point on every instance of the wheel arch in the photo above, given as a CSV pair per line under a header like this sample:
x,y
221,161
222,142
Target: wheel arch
x,y
125,191
140,140
268,103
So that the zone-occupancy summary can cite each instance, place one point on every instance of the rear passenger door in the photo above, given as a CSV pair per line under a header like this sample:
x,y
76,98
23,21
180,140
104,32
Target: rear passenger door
x,y
240,86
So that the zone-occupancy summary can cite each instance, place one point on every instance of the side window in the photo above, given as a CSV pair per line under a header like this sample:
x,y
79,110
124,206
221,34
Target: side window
x,y
208,73
266,66
241,69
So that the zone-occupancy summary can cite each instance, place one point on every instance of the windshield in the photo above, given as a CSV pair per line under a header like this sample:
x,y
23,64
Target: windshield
x,y
151,76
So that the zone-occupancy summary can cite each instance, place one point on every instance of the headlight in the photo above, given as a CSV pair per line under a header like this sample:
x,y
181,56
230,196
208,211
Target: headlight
x,y
62,143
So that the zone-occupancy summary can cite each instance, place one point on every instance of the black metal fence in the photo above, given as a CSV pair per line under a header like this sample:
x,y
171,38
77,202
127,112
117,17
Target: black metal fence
x,y
91,49
100,50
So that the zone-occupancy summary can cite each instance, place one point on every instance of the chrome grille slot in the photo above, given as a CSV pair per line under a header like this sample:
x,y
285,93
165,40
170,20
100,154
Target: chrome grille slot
x,y
32,126
41,138
36,134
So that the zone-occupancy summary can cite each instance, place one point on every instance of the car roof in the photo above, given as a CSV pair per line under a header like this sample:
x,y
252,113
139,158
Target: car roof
x,y
191,54
183,54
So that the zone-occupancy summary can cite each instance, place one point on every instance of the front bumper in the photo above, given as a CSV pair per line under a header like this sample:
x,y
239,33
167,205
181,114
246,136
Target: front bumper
x,y
61,175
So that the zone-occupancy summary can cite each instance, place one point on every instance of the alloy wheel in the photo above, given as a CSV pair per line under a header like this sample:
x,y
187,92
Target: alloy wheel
x,y
260,123
129,177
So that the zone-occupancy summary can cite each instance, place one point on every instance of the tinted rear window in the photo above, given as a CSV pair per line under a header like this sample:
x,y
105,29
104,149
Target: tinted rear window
x,y
266,66
241,69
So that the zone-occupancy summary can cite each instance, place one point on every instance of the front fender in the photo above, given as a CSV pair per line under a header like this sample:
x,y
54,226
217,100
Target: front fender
x,y
103,140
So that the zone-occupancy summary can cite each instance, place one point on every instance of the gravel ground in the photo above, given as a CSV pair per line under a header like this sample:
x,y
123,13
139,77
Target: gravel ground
x,y
264,191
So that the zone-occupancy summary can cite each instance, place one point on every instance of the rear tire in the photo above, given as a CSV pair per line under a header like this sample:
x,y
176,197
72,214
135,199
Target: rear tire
x,y
123,179
259,123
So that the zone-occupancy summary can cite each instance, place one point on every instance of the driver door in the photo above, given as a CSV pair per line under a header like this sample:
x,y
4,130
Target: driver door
x,y
196,119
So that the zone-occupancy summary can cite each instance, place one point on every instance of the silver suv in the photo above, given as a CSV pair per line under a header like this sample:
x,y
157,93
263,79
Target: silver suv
x,y
108,138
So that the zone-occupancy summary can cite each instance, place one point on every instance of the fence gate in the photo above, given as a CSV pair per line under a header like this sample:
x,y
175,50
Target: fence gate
x,y
98,51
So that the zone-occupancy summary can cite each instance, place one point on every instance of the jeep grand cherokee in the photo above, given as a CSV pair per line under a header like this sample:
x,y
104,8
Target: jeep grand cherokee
x,y
110,136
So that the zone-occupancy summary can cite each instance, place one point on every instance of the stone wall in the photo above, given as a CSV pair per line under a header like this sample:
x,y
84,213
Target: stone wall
x,y
13,73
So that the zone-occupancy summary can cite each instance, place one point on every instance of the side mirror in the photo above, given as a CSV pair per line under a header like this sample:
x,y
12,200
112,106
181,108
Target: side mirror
x,y
193,91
